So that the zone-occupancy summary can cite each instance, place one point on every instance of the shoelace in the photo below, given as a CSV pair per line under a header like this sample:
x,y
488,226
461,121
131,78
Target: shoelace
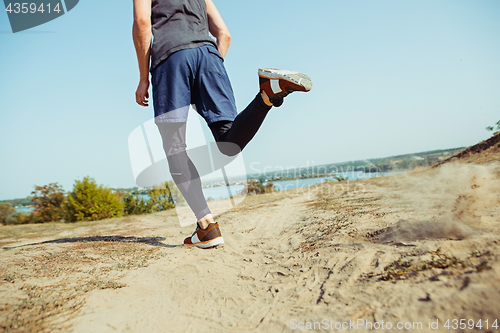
x,y
197,228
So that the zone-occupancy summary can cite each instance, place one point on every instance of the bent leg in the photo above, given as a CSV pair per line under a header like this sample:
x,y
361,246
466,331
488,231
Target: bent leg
x,y
214,99
181,167
244,127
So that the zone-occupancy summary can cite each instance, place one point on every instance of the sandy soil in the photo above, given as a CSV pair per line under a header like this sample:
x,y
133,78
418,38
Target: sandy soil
x,y
414,248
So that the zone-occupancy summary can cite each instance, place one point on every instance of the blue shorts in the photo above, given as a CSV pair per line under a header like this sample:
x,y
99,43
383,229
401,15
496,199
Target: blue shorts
x,y
193,77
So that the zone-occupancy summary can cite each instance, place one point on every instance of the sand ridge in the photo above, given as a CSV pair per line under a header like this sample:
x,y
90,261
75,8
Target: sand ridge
x,y
413,248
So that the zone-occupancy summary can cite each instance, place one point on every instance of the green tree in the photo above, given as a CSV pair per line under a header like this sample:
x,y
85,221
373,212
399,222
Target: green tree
x,y
160,198
47,201
89,202
7,213
135,204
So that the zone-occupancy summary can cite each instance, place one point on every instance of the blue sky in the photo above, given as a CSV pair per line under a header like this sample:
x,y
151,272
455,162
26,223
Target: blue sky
x,y
390,77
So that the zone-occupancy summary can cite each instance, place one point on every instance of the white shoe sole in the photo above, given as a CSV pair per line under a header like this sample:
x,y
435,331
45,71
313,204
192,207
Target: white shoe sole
x,y
214,242
298,78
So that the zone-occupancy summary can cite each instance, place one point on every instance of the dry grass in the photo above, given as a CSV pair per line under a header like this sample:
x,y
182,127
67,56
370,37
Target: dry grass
x,y
406,266
334,213
43,287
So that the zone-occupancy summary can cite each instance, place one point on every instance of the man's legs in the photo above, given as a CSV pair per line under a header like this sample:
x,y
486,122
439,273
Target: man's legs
x,y
181,167
172,83
183,170
204,82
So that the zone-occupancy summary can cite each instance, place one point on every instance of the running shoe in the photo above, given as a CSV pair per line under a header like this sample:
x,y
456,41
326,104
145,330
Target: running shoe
x,y
279,83
205,238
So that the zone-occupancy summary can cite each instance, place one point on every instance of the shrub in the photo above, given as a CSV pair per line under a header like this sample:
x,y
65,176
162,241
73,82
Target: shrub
x,y
47,201
340,178
7,213
255,187
89,202
270,188
23,218
134,204
160,198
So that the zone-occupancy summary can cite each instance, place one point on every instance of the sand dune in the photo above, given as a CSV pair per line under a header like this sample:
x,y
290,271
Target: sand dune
x,y
416,248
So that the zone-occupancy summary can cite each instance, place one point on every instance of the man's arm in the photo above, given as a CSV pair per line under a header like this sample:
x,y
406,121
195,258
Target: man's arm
x,y
218,28
141,32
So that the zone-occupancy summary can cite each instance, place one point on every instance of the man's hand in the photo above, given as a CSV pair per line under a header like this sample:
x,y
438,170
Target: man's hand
x,y
142,93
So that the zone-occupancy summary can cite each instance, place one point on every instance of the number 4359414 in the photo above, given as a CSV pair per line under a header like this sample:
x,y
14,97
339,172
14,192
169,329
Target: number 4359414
x,y
471,324
25,8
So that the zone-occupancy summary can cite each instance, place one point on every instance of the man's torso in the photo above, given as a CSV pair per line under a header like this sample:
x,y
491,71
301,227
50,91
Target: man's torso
x,y
177,25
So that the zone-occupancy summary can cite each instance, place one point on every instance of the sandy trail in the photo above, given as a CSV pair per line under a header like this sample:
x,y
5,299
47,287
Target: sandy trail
x,y
410,249
217,289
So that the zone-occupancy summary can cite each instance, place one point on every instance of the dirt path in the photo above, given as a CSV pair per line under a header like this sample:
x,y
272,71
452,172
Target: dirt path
x,y
216,289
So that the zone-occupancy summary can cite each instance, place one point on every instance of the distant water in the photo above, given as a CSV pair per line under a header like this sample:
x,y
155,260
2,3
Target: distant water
x,y
351,175
221,192
218,193
23,209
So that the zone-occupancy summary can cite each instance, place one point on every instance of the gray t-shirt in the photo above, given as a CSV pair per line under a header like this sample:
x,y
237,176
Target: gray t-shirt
x,y
177,25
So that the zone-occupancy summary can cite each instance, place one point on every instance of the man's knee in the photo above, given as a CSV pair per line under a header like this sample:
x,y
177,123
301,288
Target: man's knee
x,y
228,148
176,161
173,149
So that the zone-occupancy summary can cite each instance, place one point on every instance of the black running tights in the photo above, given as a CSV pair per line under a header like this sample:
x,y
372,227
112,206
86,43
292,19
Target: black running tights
x,y
238,132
